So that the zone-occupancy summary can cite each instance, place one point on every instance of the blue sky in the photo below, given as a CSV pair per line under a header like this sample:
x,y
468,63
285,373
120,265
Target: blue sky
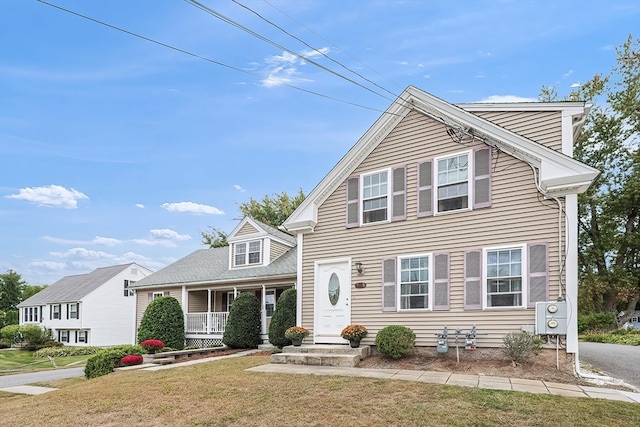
x,y
116,149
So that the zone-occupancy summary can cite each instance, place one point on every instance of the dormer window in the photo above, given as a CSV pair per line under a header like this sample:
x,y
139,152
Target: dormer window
x,y
248,253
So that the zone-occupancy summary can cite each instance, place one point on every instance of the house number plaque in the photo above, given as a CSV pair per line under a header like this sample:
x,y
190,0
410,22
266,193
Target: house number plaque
x,y
360,285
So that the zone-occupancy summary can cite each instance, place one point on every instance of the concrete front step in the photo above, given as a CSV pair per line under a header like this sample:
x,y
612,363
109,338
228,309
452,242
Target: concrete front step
x,y
321,355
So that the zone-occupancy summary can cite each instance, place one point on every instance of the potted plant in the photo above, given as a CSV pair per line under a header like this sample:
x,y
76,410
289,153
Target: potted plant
x,y
296,334
152,345
354,333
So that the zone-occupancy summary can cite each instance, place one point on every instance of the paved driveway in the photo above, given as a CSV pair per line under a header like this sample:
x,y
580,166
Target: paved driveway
x,y
617,361
37,377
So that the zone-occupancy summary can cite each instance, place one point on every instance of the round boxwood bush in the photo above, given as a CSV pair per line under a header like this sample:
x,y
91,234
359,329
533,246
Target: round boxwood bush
x,y
396,341
283,318
105,361
163,320
243,326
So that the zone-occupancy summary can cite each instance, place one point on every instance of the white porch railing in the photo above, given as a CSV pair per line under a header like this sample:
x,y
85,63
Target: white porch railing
x,y
205,323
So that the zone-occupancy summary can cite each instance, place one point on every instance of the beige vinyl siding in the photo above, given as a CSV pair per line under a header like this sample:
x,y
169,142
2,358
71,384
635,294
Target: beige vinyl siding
x,y
544,127
247,228
277,250
518,215
197,301
142,299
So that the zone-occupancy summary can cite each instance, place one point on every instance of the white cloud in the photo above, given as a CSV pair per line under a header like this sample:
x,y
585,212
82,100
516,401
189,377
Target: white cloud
x,y
190,207
166,233
239,188
98,240
282,69
48,265
53,196
155,242
568,73
139,205
576,84
507,98
83,254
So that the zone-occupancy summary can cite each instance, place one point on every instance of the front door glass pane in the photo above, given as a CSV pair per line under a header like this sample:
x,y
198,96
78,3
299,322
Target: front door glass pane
x,y
334,289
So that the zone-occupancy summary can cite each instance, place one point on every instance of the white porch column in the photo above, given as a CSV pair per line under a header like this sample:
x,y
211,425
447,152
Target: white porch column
x,y
263,310
298,284
235,292
571,271
208,322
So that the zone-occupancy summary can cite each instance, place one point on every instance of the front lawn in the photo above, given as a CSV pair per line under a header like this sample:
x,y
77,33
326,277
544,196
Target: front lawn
x,y
20,361
223,393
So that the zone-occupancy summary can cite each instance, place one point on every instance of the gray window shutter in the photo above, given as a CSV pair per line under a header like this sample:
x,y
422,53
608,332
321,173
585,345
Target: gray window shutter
x,y
399,195
353,202
473,280
425,188
441,282
167,293
150,297
482,178
538,273
389,284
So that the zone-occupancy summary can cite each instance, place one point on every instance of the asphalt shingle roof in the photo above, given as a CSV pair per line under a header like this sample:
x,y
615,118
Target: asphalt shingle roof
x,y
212,266
74,288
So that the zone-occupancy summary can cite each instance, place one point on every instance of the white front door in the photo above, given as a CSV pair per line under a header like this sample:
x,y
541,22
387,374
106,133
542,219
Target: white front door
x,y
332,300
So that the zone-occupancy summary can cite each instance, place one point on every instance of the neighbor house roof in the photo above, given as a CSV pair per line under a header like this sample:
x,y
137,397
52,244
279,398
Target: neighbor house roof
x,y
210,266
74,288
559,174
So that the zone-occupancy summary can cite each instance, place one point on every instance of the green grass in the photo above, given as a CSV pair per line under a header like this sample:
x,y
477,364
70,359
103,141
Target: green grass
x,y
20,361
224,393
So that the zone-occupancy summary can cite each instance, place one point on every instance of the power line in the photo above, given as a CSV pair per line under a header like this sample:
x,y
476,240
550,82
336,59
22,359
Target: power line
x,y
200,56
271,42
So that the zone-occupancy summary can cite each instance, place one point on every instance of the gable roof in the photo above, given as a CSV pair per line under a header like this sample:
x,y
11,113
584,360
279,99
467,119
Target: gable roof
x,y
74,288
210,266
263,230
559,174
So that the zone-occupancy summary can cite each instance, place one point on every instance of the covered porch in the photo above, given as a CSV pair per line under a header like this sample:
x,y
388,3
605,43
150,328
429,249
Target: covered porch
x,y
207,310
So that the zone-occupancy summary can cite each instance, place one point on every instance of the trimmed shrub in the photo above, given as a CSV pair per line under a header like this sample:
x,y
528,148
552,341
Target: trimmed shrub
x,y
130,360
105,361
619,336
243,327
152,345
521,346
35,336
11,334
283,318
396,341
163,320
596,321
66,351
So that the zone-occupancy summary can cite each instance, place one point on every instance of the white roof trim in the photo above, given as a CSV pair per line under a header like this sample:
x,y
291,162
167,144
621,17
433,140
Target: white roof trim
x,y
559,174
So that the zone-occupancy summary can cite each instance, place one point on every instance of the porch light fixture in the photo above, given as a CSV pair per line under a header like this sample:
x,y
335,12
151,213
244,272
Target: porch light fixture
x,y
358,265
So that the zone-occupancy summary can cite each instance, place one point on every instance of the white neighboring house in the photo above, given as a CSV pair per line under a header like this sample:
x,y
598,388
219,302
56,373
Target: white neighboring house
x,y
95,309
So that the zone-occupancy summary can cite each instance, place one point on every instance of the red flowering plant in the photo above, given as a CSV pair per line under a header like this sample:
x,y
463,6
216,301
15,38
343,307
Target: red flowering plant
x,y
131,359
152,345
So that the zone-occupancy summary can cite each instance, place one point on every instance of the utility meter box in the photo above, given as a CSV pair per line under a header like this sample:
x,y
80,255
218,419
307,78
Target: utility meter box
x,y
551,318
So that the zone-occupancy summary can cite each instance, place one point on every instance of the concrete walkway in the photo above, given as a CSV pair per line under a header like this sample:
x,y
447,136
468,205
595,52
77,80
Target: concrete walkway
x,y
481,381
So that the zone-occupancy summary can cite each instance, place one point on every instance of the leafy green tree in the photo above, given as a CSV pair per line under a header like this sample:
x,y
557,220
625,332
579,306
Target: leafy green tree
x,y
243,327
163,320
11,286
271,210
609,212
283,318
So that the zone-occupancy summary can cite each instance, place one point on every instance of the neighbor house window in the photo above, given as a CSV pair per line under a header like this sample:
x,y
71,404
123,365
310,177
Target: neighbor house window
x,y
73,311
158,295
31,314
504,281
247,253
55,311
414,283
63,336
375,197
453,183
82,336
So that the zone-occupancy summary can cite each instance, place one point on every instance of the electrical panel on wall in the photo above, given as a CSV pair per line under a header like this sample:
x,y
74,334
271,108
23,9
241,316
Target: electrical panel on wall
x,y
551,318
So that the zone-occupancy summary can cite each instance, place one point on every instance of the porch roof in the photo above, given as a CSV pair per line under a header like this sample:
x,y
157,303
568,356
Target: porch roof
x,y
212,266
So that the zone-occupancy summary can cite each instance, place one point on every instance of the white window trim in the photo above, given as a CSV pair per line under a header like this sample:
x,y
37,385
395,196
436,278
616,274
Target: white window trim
x,y
361,197
86,335
53,312
524,272
246,243
62,334
429,255
470,182
157,295
77,306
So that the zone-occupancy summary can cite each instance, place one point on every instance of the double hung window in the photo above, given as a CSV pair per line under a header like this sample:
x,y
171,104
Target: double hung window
x,y
55,311
247,253
375,197
73,311
504,277
453,183
414,283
